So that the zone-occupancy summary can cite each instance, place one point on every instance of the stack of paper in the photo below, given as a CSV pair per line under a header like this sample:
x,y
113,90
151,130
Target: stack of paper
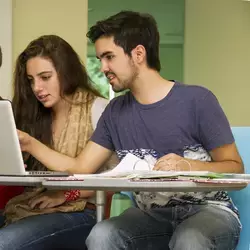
x,y
132,167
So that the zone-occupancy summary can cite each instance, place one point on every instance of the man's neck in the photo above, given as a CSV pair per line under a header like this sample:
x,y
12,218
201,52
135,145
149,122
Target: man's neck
x,y
150,87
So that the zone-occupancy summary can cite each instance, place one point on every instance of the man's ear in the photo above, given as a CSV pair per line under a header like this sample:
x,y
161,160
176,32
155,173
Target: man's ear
x,y
139,54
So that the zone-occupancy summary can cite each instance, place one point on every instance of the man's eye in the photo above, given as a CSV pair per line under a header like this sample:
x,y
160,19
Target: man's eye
x,y
109,57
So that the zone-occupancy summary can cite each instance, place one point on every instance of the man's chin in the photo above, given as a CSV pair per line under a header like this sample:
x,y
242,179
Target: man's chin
x,y
117,90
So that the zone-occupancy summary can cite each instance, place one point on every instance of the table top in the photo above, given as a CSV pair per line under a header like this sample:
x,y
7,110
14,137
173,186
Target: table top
x,y
113,184
21,180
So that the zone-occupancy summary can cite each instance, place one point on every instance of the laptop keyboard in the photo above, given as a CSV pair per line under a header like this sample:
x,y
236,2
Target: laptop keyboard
x,y
46,173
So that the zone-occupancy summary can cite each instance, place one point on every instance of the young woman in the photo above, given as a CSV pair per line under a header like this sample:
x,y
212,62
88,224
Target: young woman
x,y
55,105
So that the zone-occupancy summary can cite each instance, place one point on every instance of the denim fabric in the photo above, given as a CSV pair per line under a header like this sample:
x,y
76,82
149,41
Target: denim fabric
x,y
48,231
189,227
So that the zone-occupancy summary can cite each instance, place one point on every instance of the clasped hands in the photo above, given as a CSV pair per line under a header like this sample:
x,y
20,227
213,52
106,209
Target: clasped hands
x,y
172,162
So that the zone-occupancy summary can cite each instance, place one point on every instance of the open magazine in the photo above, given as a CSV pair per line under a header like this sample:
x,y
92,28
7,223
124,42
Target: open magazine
x,y
133,167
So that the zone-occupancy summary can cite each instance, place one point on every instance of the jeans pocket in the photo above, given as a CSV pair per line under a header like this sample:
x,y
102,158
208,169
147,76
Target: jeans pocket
x,y
183,212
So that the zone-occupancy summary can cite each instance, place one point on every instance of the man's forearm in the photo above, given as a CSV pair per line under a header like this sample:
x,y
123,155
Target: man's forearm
x,y
218,167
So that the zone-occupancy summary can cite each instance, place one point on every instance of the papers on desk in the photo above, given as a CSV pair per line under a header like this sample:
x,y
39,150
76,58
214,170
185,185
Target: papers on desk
x,y
132,167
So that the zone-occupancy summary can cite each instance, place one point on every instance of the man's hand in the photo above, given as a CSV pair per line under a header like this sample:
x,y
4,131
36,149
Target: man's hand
x,y
24,140
172,162
48,199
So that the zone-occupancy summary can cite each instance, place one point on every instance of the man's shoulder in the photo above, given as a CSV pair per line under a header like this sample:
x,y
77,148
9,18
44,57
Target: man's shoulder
x,y
192,89
120,101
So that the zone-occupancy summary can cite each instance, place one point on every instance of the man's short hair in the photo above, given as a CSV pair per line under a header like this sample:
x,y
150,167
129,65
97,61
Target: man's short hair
x,y
130,29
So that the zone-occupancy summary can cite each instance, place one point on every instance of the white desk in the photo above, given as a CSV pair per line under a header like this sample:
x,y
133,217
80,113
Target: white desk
x,y
109,184
21,180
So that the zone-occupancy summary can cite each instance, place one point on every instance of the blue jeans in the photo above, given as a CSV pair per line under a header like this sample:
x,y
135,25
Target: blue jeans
x,y
189,227
48,231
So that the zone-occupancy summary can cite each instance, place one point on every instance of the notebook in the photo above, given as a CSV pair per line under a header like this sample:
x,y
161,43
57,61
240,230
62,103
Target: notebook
x,y
11,160
132,167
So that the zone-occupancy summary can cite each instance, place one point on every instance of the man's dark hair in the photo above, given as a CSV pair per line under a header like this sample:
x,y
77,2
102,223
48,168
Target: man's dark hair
x,y
129,30
1,57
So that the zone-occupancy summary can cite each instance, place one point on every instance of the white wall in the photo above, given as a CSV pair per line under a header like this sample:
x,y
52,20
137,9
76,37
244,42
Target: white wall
x,y
217,53
21,21
66,18
6,45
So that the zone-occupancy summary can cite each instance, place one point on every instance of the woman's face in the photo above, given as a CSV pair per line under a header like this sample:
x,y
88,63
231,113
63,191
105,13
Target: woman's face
x,y
44,81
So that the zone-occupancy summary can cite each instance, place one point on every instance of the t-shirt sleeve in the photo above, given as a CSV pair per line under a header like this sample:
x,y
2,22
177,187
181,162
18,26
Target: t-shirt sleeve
x,y
102,134
213,127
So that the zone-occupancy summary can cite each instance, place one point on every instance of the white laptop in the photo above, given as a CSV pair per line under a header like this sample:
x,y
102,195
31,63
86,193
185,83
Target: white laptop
x,y
11,160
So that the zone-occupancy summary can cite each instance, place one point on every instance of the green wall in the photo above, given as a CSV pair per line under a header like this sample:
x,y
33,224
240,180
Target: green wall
x,y
169,15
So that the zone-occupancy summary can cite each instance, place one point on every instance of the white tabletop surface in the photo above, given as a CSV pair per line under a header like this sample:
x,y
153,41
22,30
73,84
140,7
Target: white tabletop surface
x,y
113,184
21,180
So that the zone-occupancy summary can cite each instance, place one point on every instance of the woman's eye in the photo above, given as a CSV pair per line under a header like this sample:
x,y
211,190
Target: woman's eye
x,y
30,80
45,78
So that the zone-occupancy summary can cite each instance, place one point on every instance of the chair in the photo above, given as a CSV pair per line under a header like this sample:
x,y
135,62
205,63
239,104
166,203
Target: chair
x,y
120,202
242,198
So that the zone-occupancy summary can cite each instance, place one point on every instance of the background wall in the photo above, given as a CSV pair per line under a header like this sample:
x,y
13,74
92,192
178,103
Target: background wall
x,y
217,53
6,45
216,42
33,18
169,15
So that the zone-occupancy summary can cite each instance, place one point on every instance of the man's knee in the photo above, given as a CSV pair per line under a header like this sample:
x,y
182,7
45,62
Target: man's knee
x,y
106,235
190,239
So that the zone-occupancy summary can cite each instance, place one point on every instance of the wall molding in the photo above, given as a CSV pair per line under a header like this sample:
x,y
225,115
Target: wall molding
x,y
6,45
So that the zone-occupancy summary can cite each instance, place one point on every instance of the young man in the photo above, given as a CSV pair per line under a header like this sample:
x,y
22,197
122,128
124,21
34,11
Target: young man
x,y
160,119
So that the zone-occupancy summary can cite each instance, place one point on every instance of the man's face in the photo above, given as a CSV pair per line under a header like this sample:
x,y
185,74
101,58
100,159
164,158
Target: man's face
x,y
118,67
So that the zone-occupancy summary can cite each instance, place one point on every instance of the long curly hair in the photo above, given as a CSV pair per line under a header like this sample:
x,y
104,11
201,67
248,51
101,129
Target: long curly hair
x,y
30,115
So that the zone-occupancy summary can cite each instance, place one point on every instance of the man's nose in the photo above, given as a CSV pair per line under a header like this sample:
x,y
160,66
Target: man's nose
x,y
104,67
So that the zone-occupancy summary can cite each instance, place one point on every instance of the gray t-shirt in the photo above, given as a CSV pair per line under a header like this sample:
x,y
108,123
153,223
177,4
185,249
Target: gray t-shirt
x,y
188,121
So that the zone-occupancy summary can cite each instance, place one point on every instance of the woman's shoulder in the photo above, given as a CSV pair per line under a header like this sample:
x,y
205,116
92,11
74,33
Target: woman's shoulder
x,y
97,109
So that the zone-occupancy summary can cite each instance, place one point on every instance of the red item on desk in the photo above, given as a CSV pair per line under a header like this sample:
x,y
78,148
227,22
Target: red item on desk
x,y
8,192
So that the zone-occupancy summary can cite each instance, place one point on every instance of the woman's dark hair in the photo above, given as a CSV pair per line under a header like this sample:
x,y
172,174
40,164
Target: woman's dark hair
x,y
30,115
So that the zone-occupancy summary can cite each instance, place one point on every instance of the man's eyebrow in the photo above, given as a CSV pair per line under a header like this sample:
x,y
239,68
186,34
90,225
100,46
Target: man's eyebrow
x,y
104,54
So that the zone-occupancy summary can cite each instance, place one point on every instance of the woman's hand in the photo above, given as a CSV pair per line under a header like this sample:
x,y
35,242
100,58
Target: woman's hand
x,y
24,140
172,162
48,199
